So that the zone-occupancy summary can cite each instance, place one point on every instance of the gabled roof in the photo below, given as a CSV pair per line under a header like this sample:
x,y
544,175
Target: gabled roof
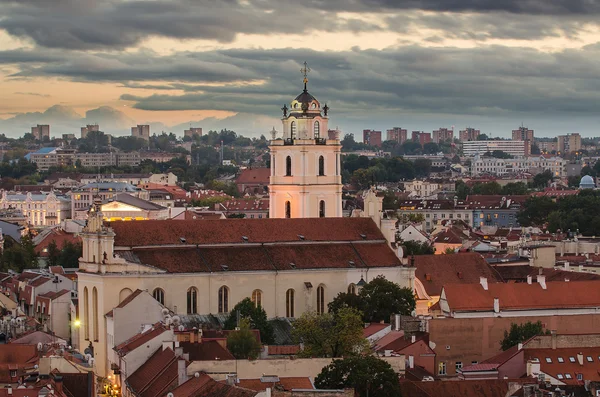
x,y
206,351
135,202
60,238
125,301
54,294
224,231
550,363
523,296
140,339
435,271
204,386
471,388
493,363
374,328
275,382
156,375
254,176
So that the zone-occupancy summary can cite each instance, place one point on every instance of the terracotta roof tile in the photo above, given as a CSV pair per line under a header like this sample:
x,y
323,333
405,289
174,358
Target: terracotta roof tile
x,y
140,339
19,357
224,231
254,176
54,294
283,350
435,271
156,375
522,296
285,383
126,301
60,237
471,388
589,370
39,281
204,386
206,351
373,328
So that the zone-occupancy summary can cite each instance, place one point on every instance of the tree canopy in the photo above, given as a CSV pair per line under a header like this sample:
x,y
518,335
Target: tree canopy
x,y
417,248
369,376
242,343
520,333
330,334
256,316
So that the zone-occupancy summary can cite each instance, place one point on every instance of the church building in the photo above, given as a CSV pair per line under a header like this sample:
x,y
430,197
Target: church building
x,y
287,266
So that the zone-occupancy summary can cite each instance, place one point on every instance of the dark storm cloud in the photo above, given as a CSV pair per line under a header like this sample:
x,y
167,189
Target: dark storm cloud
x,y
107,24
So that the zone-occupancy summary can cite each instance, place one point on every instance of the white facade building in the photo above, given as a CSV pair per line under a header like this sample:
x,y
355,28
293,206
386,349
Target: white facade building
x,y
514,148
306,179
538,164
421,189
41,209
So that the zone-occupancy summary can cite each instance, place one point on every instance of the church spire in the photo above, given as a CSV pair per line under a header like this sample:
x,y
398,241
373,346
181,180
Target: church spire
x,y
305,70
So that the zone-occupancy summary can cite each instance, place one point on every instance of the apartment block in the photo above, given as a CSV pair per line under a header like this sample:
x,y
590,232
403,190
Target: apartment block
x,y
41,131
372,138
443,135
569,143
192,131
512,147
89,128
141,131
397,134
421,137
522,134
469,134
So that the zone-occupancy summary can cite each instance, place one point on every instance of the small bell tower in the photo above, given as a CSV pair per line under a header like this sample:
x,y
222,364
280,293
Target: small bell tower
x,y
98,240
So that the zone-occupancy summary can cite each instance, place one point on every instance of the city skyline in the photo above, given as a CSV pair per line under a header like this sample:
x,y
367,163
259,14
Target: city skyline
x,y
378,64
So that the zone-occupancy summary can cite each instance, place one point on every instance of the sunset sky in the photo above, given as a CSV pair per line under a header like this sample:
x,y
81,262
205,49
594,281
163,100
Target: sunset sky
x,y
417,64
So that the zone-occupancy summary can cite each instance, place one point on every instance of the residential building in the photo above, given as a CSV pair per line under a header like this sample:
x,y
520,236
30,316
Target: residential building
x,y
496,211
421,189
435,211
511,147
372,138
289,265
56,157
253,181
548,145
532,164
192,131
443,135
41,132
132,159
141,131
421,137
569,143
125,207
41,209
166,179
89,128
305,179
522,134
412,232
48,157
83,197
397,134
161,157
53,311
469,134
440,161
249,208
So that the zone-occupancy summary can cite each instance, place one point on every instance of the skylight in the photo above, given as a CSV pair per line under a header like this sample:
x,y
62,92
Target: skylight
x,y
568,376
560,360
548,360
572,359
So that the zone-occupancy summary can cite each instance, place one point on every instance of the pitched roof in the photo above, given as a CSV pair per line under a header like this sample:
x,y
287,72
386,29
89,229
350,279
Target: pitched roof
x,y
17,356
156,375
471,388
125,301
135,202
522,296
140,339
435,271
204,386
254,176
493,363
206,351
54,294
60,238
230,231
551,365
373,328
285,383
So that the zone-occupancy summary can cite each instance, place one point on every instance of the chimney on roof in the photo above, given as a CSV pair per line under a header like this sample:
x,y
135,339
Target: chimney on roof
x,y
58,384
411,361
484,282
567,267
541,279
580,358
529,279
553,339
413,339
181,372
496,305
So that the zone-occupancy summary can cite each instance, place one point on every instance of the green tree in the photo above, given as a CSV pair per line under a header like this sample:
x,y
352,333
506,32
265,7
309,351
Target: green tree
x,y
431,148
482,137
257,317
53,253
487,189
330,334
70,254
535,211
515,189
369,376
242,343
384,298
462,190
520,333
19,256
417,248
449,251
541,180
344,300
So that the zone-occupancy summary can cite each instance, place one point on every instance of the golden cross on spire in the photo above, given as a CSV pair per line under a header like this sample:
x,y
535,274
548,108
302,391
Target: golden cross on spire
x,y
305,70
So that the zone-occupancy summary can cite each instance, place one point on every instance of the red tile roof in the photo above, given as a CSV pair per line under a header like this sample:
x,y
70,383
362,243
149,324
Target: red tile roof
x,y
156,375
245,205
125,301
285,383
206,351
471,388
435,271
169,232
283,350
278,257
39,281
254,176
140,339
373,328
590,370
54,294
204,386
56,270
493,363
523,296
19,357
60,237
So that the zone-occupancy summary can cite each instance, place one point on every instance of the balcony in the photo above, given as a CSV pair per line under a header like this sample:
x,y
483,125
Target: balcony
x,y
288,142
320,141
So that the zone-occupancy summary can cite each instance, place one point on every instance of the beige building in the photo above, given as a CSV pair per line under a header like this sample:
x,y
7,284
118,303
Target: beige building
x,y
306,179
41,131
421,189
141,131
569,143
289,266
89,128
193,131
42,209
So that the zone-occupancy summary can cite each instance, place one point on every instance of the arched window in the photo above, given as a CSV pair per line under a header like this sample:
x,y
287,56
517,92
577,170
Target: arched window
x,y
288,209
322,209
293,129
352,289
95,312
192,300
289,303
86,314
288,166
317,130
257,297
321,166
223,299
159,295
320,299
125,292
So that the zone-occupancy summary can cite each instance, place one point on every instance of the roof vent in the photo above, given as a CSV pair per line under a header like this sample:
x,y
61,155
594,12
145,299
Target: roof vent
x,y
352,264
245,239
363,236
182,239
224,267
292,265
301,237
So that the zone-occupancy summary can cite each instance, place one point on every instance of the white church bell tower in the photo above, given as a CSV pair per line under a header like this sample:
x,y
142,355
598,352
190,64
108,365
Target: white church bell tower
x,y
306,177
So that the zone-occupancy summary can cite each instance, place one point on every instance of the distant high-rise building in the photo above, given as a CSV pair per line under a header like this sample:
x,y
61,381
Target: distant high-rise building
x,y
421,137
334,134
468,134
569,143
193,131
41,131
141,131
372,138
397,134
522,134
443,135
88,128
